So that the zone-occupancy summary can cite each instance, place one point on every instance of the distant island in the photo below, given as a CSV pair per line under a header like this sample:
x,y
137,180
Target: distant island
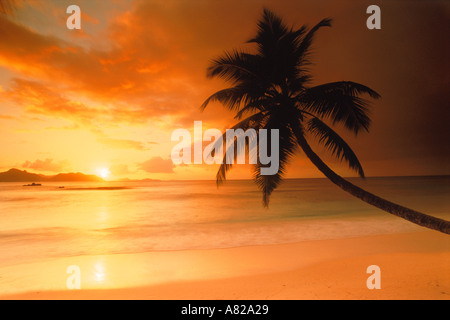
x,y
16,175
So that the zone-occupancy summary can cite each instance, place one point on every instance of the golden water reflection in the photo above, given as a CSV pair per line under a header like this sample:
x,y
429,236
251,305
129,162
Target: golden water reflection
x,y
99,272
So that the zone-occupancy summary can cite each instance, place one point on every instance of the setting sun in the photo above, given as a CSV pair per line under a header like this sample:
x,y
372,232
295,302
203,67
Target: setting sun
x,y
103,172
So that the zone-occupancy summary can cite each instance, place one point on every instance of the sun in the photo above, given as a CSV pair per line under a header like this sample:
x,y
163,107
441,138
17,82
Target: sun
x,y
103,172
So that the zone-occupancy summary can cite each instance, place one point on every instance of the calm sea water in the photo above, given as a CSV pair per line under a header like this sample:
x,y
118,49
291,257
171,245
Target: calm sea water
x,y
44,222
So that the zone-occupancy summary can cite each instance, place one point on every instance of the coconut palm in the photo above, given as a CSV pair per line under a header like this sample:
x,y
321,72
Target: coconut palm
x,y
270,89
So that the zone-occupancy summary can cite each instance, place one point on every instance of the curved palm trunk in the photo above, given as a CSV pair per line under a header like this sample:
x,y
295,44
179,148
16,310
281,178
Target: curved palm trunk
x,y
395,209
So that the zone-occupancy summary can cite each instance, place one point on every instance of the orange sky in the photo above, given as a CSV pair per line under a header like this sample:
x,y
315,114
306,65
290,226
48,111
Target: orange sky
x,y
110,95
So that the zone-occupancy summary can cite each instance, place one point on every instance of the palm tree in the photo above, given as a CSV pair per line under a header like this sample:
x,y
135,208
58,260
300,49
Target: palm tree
x,y
270,90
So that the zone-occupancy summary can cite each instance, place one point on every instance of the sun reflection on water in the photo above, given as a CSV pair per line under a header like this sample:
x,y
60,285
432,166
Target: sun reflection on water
x,y
99,272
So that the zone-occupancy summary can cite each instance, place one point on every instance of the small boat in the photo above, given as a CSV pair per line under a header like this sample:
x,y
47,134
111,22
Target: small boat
x,y
32,185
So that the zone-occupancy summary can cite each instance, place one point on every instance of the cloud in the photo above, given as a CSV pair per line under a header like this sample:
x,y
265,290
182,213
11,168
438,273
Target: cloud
x,y
6,117
123,143
48,99
142,75
135,74
157,165
46,165
37,98
103,138
120,170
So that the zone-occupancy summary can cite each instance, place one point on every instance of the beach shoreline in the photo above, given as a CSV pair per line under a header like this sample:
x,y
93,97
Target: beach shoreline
x,y
412,265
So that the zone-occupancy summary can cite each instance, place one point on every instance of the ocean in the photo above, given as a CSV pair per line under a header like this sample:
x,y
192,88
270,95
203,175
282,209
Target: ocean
x,y
85,219
128,217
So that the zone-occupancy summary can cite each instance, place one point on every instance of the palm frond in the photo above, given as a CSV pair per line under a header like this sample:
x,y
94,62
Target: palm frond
x,y
287,146
233,66
270,28
268,183
225,166
339,102
335,144
231,154
347,88
229,97
305,46
242,70
254,121
256,105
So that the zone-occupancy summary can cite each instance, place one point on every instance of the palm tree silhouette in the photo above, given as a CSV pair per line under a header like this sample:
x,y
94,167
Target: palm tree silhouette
x,y
271,89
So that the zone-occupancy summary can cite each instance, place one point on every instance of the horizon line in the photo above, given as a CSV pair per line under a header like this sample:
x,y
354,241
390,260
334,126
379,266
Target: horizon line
x,y
235,179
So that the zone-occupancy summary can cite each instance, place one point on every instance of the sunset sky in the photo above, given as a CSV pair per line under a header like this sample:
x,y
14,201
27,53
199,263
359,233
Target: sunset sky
x,y
108,96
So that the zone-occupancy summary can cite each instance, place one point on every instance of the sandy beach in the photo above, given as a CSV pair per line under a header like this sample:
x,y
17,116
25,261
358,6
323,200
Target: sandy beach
x,y
413,266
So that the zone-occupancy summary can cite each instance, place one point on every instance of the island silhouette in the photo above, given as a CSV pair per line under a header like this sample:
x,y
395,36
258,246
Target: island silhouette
x,y
16,175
